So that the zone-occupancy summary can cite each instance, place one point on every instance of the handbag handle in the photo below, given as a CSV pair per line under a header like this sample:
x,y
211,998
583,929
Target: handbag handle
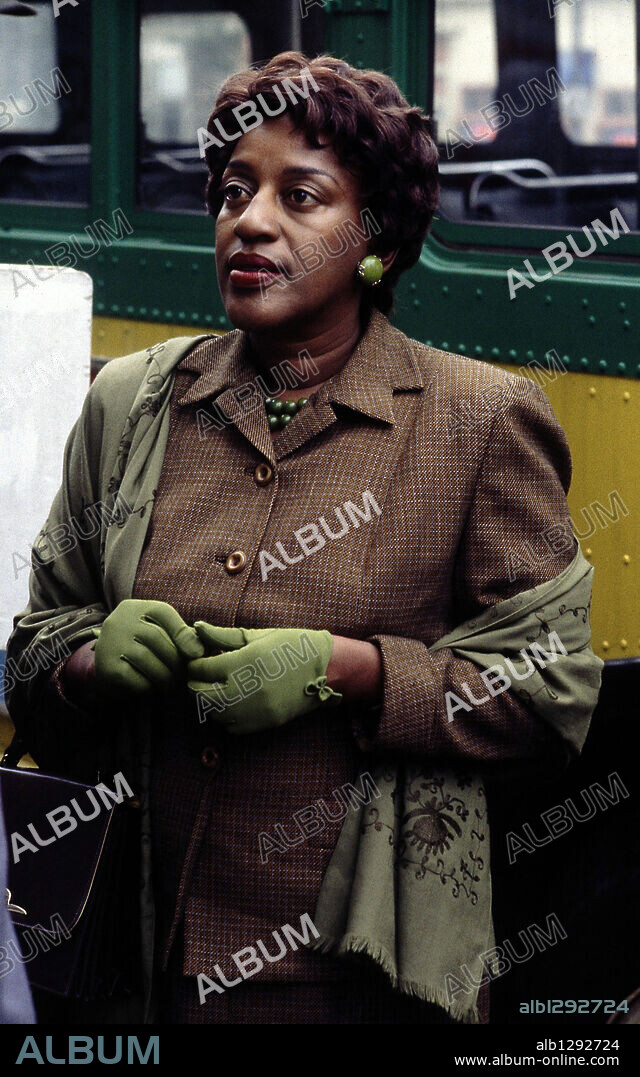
x,y
17,748
13,752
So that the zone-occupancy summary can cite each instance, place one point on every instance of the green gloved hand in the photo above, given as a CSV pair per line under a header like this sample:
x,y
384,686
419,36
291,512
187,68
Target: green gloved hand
x,y
264,678
142,647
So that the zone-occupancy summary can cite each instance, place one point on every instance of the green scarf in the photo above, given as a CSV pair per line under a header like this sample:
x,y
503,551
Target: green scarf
x,y
409,881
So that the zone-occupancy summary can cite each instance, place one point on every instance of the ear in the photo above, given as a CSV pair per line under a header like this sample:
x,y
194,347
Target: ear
x,y
387,259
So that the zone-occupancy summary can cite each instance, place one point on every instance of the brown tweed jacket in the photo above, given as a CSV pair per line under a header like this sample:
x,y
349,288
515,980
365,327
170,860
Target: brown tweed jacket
x,y
397,503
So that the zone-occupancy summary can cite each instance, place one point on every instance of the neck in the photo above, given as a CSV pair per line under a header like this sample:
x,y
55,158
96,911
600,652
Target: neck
x,y
314,358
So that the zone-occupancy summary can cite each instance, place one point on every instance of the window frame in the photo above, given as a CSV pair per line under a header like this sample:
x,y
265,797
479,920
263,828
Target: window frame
x,y
526,239
36,216
114,64
164,269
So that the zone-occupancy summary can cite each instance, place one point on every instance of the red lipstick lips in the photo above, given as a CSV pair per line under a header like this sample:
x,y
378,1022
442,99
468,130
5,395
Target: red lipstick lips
x,y
242,260
251,270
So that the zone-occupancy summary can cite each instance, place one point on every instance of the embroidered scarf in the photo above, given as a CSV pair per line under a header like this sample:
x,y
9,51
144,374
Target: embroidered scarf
x,y
409,881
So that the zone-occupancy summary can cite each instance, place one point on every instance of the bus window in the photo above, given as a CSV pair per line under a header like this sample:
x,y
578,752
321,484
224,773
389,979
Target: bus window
x,y
187,50
466,77
535,110
45,101
597,50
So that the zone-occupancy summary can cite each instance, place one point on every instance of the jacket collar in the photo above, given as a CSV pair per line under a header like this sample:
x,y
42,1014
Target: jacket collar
x,y
381,363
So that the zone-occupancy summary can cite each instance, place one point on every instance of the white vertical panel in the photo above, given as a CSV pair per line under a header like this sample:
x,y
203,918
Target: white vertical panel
x,y
45,360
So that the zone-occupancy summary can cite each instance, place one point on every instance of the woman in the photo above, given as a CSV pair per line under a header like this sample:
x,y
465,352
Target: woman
x,y
317,472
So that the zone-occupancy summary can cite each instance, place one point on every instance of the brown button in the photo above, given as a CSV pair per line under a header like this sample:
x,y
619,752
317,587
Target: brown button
x,y
263,474
209,757
235,561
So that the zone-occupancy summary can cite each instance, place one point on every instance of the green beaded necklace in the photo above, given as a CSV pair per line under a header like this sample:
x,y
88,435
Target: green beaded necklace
x,y
281,412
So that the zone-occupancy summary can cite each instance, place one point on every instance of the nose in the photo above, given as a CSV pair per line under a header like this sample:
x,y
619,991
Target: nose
x,y
259,219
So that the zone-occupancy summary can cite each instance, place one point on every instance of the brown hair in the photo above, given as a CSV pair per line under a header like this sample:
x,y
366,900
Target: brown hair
x,y
375,134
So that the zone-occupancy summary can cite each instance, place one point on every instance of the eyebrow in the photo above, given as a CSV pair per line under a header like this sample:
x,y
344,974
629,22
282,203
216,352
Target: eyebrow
x,y
291,170
305,170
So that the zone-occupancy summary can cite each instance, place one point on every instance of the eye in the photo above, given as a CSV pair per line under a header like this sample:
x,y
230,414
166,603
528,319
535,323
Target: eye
x,y
232,192
302,197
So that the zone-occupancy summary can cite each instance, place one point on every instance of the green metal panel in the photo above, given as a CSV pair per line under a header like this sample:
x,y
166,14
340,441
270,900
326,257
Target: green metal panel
x,y
23,216
387,35
359,32
459,301
523,237
114,74
410,61
139,277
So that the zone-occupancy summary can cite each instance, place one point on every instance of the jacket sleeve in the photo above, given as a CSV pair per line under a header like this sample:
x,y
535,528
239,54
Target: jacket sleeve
x,y
518,534
65,600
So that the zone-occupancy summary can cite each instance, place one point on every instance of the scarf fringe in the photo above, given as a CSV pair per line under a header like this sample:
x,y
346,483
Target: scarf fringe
x,y
354,944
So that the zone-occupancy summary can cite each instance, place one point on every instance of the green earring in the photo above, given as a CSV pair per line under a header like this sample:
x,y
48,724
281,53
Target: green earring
x,y
370,270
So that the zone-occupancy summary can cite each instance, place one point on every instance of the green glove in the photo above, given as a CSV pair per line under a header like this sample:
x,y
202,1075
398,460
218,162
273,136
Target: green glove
x,y
264,678
142,647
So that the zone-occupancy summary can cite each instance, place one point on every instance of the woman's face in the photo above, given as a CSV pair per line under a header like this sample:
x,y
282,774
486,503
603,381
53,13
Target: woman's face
x,y
288,203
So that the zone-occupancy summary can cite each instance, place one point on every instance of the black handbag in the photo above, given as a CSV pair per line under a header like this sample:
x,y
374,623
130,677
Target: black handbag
x,y
73,881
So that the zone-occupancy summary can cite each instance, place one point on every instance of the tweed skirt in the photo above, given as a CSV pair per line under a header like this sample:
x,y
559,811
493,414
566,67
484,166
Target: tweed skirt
x,y
363,996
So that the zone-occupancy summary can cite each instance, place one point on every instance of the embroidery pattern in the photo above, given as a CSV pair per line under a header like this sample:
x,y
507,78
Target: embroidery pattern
x,y
157,385
445,830
544,622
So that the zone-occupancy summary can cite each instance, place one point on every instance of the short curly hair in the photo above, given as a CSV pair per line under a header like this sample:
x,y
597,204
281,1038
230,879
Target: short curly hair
x,y
374,132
